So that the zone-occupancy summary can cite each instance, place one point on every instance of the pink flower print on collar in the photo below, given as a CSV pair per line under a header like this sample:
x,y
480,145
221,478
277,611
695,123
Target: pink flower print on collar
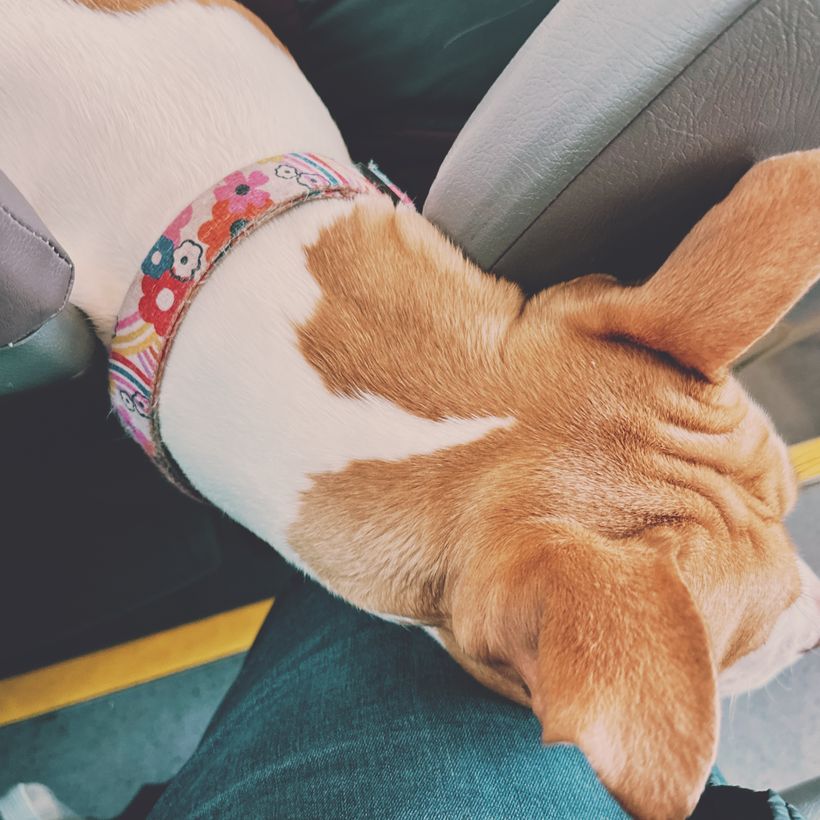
x,y
241,190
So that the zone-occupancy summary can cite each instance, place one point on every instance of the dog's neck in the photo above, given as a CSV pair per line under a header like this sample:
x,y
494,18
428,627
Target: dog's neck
x,y
190,248
249,407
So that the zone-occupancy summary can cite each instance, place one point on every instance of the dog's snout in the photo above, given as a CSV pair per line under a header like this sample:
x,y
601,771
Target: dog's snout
x,y
810,605
816,601
814,647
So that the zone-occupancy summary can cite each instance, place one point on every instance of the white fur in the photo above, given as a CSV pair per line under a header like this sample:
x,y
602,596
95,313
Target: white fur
x,y
795,632
399,620
131,117
237,380
433,632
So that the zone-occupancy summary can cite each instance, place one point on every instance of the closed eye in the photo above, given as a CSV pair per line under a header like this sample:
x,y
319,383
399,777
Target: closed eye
x,y
625,340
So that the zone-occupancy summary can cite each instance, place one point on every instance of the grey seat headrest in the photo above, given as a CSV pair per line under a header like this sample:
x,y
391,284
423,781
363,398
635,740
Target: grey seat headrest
x,y
35,272
617,125
42,338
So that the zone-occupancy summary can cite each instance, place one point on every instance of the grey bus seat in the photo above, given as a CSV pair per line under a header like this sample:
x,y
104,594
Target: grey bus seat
x,y
42,338
617,125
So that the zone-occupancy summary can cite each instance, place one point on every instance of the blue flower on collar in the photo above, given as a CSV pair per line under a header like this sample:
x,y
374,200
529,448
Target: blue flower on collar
x,y
159,259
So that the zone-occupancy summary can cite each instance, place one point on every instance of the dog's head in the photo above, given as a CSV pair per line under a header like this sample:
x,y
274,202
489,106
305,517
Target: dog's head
x,y
630,561
613,551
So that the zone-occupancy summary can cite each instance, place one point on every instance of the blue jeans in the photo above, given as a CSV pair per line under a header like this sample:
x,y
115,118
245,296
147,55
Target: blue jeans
x,y
337,714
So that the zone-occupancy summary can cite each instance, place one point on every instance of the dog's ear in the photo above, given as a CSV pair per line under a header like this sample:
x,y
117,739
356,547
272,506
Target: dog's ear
x,y
624,670
738,271
615,657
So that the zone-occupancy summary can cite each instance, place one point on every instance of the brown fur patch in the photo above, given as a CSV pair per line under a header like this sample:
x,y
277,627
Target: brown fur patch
x,y
134,6
623,539
386,323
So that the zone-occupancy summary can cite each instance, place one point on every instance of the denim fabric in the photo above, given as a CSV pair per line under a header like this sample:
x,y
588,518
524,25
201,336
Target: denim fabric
x,y
339,715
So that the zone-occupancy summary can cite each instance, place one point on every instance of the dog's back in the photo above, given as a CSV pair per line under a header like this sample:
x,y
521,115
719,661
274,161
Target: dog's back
x,y
116,113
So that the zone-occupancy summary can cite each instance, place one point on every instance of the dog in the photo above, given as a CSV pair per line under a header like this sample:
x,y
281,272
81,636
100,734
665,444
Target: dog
x,y
571,493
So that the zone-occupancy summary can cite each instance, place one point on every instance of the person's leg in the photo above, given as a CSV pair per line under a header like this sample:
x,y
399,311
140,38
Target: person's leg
x,y
338,714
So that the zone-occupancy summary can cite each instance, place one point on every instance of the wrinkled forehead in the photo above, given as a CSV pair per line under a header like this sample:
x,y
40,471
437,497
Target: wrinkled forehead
x,y
742,585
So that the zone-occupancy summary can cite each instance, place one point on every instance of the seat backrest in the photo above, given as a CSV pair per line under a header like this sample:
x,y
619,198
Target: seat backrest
x,y
617,125
35,272
42,339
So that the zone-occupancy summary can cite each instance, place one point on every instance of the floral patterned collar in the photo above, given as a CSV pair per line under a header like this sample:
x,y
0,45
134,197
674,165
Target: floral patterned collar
x,y
185,255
